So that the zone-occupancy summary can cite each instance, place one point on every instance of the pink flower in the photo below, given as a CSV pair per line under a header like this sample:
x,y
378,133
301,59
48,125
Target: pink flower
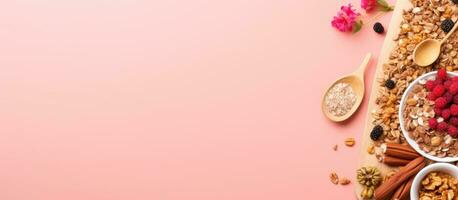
x,y
368,5
345,20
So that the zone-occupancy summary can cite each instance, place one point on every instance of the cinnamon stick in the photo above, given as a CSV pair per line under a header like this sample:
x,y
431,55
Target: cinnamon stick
x,y
407,155
406,192
393,161
387,188
398,191
403,191
399,147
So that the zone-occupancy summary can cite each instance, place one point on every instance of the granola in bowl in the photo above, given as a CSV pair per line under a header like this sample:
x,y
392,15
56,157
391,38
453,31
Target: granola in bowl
x,y
438,185
419,118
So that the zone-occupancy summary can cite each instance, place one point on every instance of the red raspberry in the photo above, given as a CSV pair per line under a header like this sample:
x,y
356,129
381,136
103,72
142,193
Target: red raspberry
x,y
453,89
432,97
454,110
441,102
455,99
442,126
452,131
455,79
454,121
433,123
442,74
430,85
447,83
438,82
437,111
446,113
448,97
439,90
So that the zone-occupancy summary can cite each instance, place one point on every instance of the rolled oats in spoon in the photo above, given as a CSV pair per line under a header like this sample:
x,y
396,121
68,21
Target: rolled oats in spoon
x,y
344,96
340,99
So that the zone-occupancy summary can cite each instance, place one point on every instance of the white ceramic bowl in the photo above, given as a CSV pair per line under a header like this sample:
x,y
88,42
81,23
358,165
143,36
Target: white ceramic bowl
x,y
401,118
436,167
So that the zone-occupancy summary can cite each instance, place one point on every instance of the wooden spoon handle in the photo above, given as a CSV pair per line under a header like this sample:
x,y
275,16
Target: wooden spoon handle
x,y
362,68
449,33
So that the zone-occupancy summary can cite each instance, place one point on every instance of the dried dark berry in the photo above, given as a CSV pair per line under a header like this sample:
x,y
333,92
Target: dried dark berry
x,y
376,132
378,28
390,84
447,25
455,1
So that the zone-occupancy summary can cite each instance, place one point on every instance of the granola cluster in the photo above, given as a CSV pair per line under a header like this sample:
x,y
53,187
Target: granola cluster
x,y
420,22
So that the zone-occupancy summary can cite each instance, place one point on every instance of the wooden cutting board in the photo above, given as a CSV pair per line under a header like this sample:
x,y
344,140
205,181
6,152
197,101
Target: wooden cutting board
x,y
366,159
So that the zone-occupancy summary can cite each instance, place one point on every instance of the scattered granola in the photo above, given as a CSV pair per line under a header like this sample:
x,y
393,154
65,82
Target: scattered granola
x,y
421,22
349,142
438,185
340,99
371,149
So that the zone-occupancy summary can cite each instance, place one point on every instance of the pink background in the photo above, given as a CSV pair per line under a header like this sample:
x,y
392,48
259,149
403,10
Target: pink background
x,y
171,100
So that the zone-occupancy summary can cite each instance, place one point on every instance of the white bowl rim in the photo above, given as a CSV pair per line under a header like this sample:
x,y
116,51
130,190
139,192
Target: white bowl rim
x,y
412,142
430,168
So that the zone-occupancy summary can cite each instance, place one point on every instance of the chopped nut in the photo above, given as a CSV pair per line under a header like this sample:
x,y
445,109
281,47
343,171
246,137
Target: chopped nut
x,y
344,181
334,178
335,147
368,176
440,9
350,142
389,175
411,102
368,192
436,141
371,149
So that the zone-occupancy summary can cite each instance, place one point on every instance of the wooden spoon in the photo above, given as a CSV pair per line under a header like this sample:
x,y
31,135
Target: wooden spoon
x,y
356,81
427,51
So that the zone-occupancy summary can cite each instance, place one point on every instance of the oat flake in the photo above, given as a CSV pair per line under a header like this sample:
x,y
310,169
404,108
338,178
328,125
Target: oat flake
x,y
340,99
